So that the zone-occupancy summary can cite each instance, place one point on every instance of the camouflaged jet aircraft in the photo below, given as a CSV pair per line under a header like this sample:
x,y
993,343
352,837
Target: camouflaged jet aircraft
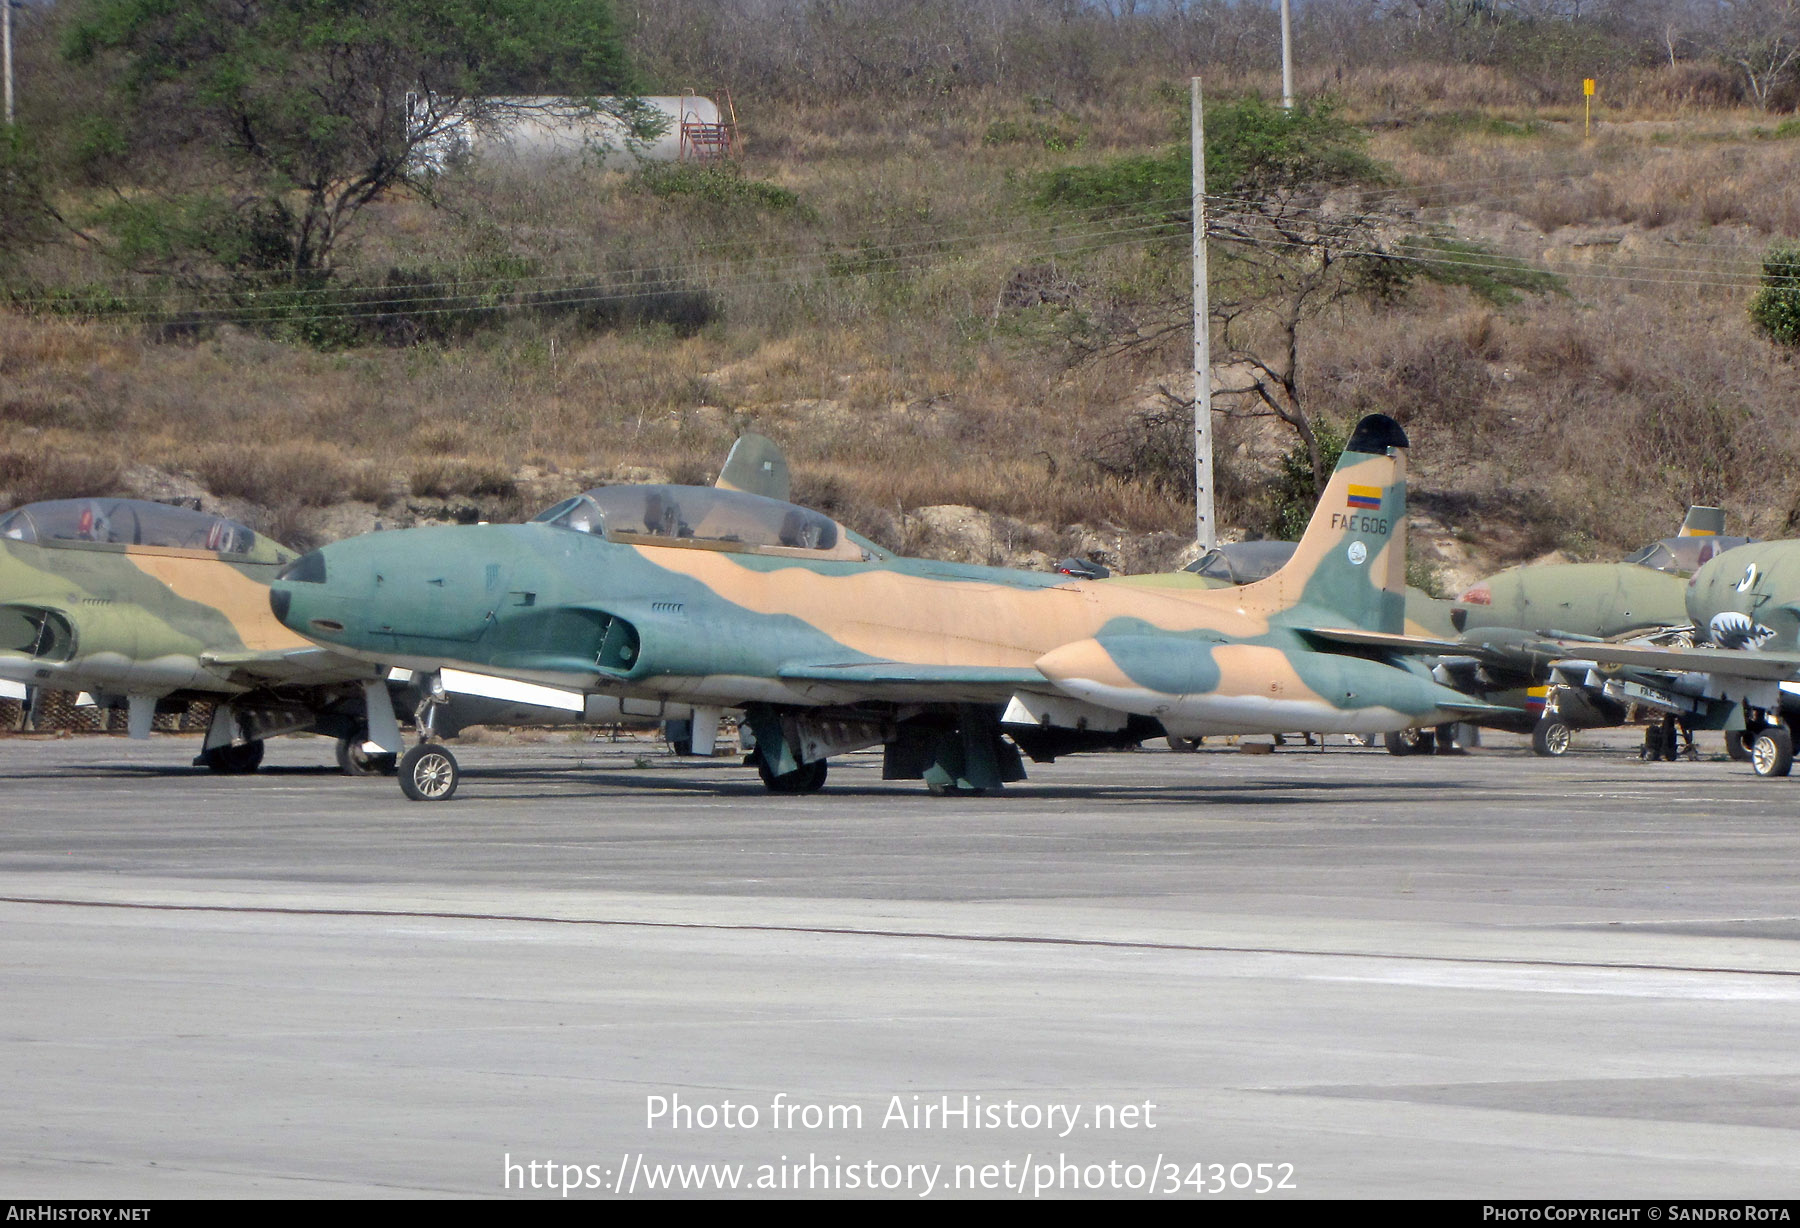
x,y
154,607
1500,625
1744,675
830,644
159,606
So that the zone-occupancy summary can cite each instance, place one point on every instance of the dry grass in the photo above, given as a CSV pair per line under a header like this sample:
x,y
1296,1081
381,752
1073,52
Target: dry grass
x,y
277,474
33,474
1576,421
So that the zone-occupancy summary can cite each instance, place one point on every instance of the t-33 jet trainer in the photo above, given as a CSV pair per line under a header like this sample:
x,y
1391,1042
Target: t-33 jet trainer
x,y
828,643
154,607
1501,624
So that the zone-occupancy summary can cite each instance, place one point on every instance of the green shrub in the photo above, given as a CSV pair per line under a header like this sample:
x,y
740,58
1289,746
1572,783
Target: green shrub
x,y
1253,149
1293,494
1055,137
1776,307
721,185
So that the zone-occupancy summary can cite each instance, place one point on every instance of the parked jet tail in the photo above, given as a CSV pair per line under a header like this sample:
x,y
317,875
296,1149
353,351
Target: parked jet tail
x,y
756,465
1349,569
1703,522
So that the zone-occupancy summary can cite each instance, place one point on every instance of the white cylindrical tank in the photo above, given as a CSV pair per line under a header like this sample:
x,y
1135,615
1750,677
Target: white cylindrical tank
x,y
527,130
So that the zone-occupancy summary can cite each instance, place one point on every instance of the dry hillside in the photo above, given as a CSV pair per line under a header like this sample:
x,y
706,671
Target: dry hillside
x,y
869,287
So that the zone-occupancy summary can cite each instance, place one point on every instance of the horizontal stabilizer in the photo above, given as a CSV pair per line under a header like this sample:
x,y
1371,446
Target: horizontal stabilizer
x,y
1392,641
1474,707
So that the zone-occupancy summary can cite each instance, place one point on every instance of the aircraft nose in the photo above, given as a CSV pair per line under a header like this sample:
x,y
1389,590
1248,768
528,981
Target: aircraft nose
x,y
307,569
299,594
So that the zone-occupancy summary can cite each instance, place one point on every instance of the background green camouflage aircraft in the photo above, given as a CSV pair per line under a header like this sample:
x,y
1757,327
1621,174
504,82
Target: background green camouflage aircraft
x,y
157,606
1501,623
1744,677
829,643
153,607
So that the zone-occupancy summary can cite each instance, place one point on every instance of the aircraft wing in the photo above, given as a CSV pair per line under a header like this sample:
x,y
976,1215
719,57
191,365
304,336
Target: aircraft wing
x,y
904,673
907,682
295,665
1727,662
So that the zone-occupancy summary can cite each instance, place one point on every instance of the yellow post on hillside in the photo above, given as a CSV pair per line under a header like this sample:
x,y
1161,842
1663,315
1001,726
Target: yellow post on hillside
x,y
1587,106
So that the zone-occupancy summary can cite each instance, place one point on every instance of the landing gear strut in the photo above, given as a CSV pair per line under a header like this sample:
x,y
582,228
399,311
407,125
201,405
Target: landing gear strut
x,y
428,772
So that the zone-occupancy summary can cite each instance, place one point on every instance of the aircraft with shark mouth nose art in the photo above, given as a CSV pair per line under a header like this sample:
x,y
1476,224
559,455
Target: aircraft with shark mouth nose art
x,y
829,644
1744,675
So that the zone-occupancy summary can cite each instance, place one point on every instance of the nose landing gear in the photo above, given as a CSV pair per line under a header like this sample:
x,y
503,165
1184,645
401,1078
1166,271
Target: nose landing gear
x,y
428,772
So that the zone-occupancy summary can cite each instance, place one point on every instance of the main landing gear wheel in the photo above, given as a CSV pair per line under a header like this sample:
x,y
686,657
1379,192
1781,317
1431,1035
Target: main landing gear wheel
x,y
1446,740
807,778
353,760
1736,746
1185,746
937,790
1660,744
1772,751
428,773
1410,742
1551,737
240,760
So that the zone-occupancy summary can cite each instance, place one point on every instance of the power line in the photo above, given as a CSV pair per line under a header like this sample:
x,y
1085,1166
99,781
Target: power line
x,y
874,251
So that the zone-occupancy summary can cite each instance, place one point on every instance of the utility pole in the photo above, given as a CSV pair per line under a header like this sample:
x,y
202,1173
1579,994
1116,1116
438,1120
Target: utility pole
x,y
6,6
1287,59
1205,529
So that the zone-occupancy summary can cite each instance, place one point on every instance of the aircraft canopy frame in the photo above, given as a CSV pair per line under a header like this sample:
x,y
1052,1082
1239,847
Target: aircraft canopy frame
x,y
704,518
136,525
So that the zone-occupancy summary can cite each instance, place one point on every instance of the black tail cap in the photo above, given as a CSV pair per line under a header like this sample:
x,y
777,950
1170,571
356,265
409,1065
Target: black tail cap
x,y
1375,434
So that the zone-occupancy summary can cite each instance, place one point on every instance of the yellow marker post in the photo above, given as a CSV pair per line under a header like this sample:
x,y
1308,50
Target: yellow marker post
x,y
1587,106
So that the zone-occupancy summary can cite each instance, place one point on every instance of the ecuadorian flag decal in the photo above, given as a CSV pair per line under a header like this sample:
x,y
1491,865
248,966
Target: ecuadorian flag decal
x,y
1368,497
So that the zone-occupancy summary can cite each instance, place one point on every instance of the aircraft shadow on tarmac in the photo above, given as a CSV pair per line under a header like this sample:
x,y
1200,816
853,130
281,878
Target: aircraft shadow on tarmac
x,y
514,782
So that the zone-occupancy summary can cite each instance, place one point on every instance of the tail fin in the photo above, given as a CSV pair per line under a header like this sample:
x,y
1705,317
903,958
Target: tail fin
x,y
756,465
1349,569
1703,522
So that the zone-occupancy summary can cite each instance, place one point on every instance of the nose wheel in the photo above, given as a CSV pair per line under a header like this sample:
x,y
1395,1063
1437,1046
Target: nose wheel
x,y
428,773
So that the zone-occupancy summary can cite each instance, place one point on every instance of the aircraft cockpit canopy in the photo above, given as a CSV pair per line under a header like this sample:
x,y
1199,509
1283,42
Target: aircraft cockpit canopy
x,y
703,517
135,522
1683,556
1243,562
